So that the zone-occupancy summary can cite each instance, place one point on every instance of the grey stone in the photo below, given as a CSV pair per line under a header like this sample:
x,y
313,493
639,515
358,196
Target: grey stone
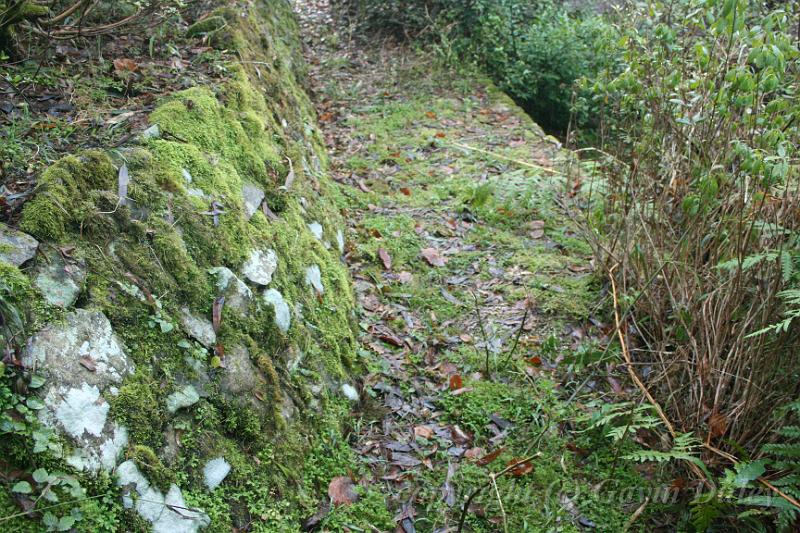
x,y
167,513
252,196
181,398
340,241
215,471
59,281
200,329
241,376
16,247
81,360
260,266
314,278
153,132
316,230
283,314
62,352
237,294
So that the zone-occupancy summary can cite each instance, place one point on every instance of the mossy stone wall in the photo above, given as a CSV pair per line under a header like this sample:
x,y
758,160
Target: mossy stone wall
x,y
225,173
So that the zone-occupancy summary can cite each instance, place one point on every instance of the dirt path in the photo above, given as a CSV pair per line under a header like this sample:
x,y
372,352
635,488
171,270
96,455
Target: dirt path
x,y
455,239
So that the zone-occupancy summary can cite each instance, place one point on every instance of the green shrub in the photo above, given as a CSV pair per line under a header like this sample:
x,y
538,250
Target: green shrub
x,y
700,216
536,50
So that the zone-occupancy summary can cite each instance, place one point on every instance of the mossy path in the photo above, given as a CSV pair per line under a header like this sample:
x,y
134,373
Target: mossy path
x,y
456,238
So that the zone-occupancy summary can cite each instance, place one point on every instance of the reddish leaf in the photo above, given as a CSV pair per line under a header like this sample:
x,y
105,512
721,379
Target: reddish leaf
x,y
441,135
473,453
405,190
216,313
385,258
423,431
717,424
88,363
520,467
341,491
456,382
123,64
433,257
580,452
459,436
535,360
489,457
430,115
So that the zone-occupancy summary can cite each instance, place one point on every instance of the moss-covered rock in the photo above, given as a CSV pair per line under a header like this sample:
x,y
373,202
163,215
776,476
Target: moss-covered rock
x,y
182,242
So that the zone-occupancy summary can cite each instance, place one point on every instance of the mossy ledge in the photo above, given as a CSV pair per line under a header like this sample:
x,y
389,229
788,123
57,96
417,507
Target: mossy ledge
x,y
208,208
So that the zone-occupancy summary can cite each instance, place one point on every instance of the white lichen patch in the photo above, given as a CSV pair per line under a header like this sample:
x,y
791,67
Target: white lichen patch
x,y
103,455
340,240
215,472
314,278
260,266
84,348
80,410
316,230
283,314
167,513
349,392
183,397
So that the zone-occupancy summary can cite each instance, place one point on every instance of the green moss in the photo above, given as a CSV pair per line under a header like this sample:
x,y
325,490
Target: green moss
x,y
137,407
206,25
163,242
368,513
175,259
151,467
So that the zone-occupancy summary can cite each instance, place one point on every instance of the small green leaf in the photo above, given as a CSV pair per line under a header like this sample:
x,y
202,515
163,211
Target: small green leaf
x,y
50,520
65,523
36,382
22,487
34,403
40,475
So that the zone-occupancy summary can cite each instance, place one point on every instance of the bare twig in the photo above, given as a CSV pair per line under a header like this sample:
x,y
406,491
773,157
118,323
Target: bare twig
x,y
483,333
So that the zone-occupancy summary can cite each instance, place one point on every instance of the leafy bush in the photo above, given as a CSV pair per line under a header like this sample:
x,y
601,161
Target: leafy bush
x,y
535,50
702,222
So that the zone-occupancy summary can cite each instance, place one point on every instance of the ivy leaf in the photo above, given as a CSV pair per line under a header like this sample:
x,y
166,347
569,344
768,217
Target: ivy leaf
x,y
22,487
50,520
65,523
40,475
34,403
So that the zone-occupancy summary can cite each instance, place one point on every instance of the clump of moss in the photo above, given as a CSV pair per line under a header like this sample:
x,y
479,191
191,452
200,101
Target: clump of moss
x,y
151,467
63,190
138,408
205,26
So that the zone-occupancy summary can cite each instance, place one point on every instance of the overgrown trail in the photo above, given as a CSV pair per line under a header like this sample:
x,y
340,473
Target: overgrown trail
x,y
455,238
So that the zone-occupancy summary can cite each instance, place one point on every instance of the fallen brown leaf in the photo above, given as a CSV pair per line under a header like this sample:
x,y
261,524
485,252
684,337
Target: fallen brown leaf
x,y
385,258
433,257
489,457
342,491
424,432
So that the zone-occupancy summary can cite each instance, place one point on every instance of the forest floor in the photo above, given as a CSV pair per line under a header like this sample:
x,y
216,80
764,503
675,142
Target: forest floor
x,y
479,304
